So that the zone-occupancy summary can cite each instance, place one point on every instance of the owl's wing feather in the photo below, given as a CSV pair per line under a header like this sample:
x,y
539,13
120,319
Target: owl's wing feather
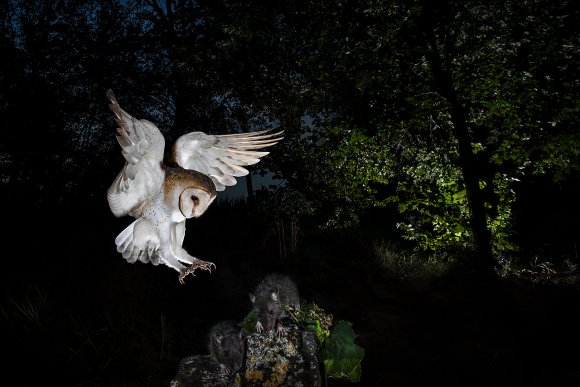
x,y
223,157
139,242
143,241
142,146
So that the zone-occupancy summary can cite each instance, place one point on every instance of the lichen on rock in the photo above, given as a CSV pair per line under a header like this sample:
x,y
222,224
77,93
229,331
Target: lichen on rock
x,y
289,360
270,361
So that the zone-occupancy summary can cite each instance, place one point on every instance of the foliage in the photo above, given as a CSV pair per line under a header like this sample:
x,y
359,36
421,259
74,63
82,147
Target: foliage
x,y
338,351
431,194
248,323
334,180
495,59
405,104
342,356
355,165
313,318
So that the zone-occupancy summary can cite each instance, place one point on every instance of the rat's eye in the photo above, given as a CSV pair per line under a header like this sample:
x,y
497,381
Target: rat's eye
x,y
226,353
271,311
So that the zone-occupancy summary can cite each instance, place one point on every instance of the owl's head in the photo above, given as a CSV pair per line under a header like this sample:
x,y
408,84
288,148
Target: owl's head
x,y
190,191
194,201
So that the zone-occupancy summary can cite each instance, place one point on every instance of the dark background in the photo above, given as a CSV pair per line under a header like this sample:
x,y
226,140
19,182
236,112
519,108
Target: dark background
x,y
76,313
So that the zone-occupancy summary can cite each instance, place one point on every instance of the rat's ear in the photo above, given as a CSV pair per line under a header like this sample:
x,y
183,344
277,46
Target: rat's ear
x,y
274,296
218,339
252,298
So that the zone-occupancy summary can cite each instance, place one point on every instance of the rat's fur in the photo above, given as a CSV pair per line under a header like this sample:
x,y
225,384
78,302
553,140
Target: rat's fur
x,y
227,346
270,298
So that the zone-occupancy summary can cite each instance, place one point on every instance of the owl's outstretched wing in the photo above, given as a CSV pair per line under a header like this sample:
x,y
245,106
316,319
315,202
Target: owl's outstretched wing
x,y
223,157
142,146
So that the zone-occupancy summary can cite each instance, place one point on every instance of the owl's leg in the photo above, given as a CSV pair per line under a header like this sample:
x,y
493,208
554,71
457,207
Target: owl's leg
x,y
183,256
170,260
177,233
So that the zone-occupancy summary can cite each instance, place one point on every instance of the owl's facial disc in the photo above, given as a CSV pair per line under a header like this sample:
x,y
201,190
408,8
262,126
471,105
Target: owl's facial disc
x,y
193,202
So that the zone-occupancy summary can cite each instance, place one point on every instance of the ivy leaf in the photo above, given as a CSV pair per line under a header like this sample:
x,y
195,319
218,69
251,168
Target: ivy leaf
x,y
342,357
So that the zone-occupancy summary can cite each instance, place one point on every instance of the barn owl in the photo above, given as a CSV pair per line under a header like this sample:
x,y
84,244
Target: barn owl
x,y
161,197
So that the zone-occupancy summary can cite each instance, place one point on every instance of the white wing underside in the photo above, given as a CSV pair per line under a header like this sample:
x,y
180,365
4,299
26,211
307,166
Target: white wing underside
x,y
142,146
222,157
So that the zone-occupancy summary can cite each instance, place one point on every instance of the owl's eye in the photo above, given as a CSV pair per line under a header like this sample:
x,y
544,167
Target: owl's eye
x,y
195,200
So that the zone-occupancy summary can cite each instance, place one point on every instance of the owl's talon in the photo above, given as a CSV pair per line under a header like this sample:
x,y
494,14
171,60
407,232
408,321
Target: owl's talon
x,y
197,264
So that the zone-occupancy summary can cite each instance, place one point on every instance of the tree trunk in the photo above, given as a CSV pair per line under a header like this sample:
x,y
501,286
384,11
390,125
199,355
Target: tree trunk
x,y
478,222
250,188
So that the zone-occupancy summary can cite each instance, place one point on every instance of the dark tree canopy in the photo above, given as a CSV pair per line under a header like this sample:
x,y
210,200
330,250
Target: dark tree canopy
x,y
444,114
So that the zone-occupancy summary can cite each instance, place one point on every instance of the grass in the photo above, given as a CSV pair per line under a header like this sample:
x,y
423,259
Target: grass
x,y
417,266
540,269
411,265
26,312
88,346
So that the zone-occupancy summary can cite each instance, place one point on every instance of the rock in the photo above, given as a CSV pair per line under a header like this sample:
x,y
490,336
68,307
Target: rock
x,y
288,361
202,371
270,361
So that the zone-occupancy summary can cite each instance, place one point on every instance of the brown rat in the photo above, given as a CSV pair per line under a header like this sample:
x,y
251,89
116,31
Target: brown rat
x,y
270,298
227,346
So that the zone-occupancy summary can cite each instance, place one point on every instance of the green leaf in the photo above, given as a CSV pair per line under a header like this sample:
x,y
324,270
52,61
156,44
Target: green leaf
x,y
314,318
248,324
342,357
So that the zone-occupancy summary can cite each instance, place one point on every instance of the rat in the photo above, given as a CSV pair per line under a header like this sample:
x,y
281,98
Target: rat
x,y
270,298
227,346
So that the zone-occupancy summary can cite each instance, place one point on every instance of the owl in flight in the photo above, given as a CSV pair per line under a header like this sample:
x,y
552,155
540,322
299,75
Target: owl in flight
x,y
162,196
